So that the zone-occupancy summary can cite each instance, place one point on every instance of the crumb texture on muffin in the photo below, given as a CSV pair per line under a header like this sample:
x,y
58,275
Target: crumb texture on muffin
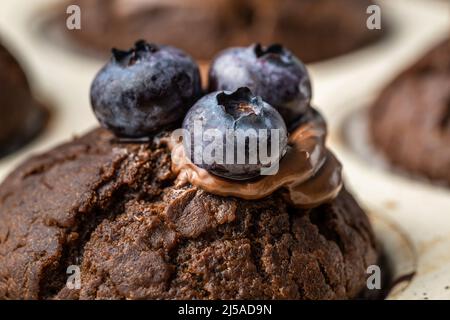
x,y
114,210
410,121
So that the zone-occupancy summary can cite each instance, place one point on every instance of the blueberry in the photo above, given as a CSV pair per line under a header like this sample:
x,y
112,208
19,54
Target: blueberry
x,y
272,72
145,89
235,135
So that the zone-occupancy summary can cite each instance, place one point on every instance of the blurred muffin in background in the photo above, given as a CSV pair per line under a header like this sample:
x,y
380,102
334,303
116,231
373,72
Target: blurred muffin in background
x,y
313,29
22,117
410,120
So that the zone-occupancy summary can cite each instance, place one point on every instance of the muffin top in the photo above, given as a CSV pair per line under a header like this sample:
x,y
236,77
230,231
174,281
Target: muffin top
x,y
133,209
114,210
410,120
232,142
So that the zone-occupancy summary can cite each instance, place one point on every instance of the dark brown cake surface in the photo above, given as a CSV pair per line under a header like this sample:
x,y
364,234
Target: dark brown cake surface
x,y
410,121
312,29
21,117
113,210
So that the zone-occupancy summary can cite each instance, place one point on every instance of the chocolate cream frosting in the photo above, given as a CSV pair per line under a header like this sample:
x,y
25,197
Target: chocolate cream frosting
x,y
309,173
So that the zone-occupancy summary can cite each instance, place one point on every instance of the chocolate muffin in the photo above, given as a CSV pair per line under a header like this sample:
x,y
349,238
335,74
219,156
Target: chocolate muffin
x,y
313,29
135,213
410,120
113,209
22,117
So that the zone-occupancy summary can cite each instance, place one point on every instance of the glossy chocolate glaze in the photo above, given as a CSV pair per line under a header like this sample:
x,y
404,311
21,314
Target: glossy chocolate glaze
x,y
309,174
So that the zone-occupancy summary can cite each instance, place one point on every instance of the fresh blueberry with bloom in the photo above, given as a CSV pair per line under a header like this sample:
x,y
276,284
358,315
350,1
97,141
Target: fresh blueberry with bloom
x,y
145,89
272,72
235,135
